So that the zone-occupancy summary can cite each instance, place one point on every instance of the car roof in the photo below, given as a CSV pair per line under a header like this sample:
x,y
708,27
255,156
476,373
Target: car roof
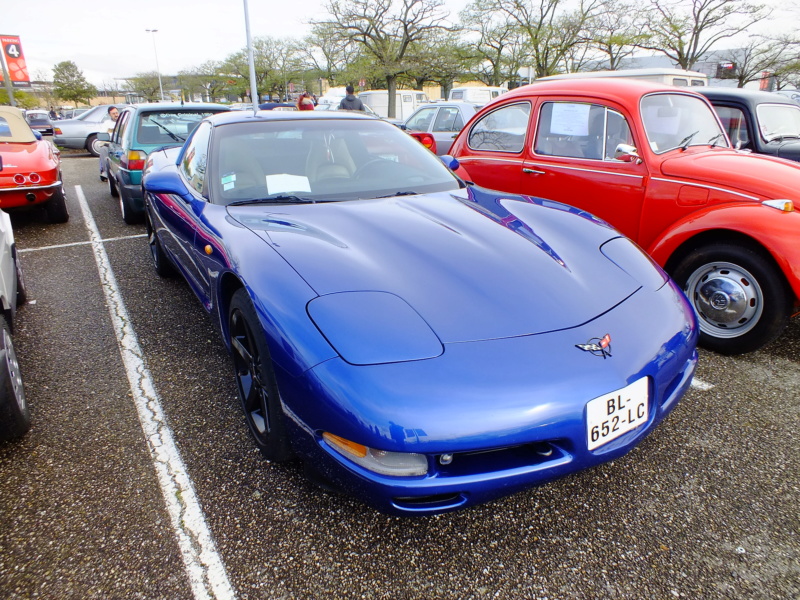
x,y
169,106
620,89
19,129
247,116
751,96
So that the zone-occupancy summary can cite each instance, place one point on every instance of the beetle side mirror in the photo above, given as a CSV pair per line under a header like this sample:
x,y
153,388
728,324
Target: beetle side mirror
x,y
627,153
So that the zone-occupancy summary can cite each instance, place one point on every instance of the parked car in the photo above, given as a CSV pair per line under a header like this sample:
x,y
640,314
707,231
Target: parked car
x,y
30,168
140,129
763,122
476,95
793,94
278,106
443,120
81,132
418,343
367,109
72,113
39,120
653,161
15,416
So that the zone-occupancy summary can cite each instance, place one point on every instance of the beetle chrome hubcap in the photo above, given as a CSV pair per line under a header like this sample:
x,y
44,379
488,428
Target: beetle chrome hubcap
x,y
727,299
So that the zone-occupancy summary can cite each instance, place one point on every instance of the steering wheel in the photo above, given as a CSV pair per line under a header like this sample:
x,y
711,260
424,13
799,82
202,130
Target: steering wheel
x,y
372,162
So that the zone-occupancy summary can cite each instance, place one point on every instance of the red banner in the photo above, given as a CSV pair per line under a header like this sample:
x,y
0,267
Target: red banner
x,y
15,61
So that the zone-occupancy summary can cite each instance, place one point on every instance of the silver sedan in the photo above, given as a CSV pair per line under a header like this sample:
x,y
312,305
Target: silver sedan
x,y
81,132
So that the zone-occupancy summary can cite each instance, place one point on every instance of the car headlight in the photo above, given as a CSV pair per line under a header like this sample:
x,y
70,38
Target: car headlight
x,y
632,259
383,462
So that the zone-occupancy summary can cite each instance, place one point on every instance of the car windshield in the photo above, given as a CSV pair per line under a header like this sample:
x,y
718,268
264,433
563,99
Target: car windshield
x,y
679,121
320,160
778,121
168,128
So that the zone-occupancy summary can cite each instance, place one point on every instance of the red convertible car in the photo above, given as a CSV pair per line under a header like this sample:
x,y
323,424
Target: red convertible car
x,y
30,168
654,161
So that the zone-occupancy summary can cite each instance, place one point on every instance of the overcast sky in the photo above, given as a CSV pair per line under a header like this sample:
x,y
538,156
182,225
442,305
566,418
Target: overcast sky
x,y
108,40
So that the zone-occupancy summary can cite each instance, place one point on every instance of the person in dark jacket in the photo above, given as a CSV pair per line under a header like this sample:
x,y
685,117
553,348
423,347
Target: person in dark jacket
x,y
350,102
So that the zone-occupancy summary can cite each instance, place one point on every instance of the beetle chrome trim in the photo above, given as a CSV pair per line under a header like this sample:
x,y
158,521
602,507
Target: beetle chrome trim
x,y
568,168
31,187
709,187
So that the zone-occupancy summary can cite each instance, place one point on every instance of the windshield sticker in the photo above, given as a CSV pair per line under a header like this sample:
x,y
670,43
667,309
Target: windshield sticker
x,y
570,119
283,182
228,178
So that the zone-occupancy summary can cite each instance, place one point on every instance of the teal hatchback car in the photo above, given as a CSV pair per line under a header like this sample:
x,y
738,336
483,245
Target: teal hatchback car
x,y
140,129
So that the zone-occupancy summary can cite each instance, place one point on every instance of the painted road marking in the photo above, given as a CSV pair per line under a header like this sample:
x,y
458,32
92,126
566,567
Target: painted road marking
x,y
103,241
203,564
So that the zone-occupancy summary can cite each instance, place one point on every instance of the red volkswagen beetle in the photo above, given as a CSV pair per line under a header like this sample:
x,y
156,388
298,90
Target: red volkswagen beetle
x,y
30,168
654,161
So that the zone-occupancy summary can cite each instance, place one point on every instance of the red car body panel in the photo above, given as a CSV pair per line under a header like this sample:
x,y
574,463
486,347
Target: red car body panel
x,y
663,201
38,163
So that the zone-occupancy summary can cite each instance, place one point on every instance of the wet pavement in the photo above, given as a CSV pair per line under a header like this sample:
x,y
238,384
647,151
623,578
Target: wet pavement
x,y
706,507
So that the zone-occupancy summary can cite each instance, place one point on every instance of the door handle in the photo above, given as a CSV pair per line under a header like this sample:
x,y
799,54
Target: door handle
x,y
534,171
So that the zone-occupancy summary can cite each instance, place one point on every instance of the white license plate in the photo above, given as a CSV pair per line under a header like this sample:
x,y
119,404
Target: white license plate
x,y
616,413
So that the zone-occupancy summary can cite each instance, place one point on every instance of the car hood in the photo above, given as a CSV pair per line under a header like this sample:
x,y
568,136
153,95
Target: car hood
x,y
473,265
754,174
789,149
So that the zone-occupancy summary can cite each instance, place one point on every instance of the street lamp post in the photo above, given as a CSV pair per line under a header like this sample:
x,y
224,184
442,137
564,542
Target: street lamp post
x,y
158,69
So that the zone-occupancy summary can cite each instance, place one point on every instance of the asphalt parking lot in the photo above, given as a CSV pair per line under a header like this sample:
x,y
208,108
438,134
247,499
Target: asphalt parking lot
x,y
120,491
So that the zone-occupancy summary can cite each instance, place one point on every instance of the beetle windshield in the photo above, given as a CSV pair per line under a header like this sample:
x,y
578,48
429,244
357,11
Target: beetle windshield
x,y
679,121
778,121
321,160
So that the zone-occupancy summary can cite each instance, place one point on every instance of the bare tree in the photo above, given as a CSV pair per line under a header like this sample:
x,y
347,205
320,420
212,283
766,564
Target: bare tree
x,y
385,29
686,30
616,31
145,85
327,53
552,30
499,47
440,60
757,56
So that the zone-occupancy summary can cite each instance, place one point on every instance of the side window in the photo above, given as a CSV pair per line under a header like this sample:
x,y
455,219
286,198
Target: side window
x,y
195,157
680,81
617,132
447,119
121,126
422,120
571,129
502,130
735,124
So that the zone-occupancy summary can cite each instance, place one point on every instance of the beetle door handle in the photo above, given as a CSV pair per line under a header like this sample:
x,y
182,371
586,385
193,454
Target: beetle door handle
x,y
534,171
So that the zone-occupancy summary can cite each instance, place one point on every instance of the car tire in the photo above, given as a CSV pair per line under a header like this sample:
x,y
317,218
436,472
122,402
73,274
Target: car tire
x,y
255,380
22,291
93,145
740,297
129,215
112,184
56,207
161,262
15,416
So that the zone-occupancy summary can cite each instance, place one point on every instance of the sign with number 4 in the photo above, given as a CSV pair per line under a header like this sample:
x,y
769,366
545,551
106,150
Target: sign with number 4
x,y
15,61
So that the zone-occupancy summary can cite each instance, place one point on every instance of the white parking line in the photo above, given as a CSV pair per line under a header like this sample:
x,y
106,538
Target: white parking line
x,y
200,558
701,385
57,246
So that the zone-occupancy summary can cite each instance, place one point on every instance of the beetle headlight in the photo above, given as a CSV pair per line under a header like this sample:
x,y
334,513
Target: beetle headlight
x,y
783,205
397,464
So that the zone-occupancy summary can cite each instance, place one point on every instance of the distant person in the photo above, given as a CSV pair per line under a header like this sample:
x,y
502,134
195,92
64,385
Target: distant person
x,y
304,102
113,115
53,113
350,101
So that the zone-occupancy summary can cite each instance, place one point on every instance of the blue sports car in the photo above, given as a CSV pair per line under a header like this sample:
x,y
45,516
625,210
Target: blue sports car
x,y
421,343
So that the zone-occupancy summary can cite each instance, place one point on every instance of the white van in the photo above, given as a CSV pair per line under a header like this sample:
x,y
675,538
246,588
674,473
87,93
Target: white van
x,y
406,102
677,77
476,95
334,95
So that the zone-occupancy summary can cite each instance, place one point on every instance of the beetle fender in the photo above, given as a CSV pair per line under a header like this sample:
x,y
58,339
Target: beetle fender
x,y
774,230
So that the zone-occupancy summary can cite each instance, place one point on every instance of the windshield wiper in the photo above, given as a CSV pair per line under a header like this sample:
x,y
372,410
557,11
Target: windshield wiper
x,y
779,137
405,193
275,199
713,141
684,143
174,136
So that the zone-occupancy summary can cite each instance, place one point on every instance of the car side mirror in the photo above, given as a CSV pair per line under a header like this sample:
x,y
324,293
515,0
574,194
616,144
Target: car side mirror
x,y
627,153
37,134
450,162
103,136
165,182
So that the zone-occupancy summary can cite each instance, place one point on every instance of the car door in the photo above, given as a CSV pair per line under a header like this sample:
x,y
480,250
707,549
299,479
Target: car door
x,y
422,119
572,160
115,145
179,216
446,125
495,146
